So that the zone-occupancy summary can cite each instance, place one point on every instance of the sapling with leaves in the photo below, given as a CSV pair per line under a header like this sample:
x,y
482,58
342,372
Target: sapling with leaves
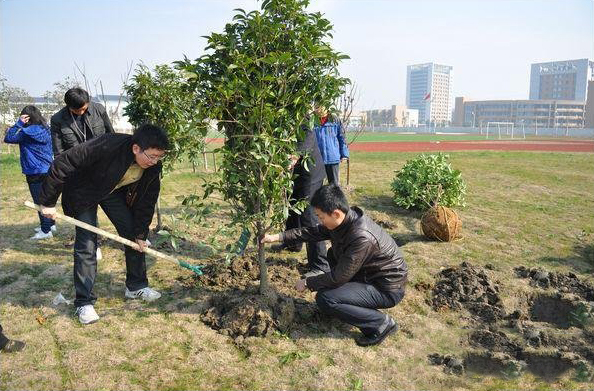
x,y
259,80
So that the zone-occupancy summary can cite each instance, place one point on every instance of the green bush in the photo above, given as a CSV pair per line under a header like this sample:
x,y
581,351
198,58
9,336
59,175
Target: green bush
x,y
427,180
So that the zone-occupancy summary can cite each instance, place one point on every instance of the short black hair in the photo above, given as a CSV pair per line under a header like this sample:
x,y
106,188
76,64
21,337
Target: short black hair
x,y
76,97
151,136
328,198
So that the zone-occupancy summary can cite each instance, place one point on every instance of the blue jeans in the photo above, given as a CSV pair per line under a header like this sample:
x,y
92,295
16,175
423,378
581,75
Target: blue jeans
x,y
35,189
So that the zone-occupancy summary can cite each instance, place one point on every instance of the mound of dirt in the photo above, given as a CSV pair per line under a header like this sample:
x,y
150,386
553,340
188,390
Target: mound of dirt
x,y
563,282
467,286
495,341
246,314
451,364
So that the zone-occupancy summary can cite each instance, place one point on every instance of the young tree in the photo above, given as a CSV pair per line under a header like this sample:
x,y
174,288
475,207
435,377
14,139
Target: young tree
x,y
259,80
161,97
12,100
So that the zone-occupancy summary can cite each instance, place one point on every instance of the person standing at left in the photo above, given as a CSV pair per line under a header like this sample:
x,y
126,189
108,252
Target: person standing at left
x,y
32,135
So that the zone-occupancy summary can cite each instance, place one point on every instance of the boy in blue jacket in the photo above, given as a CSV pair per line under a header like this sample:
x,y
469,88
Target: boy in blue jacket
x,y
331,143
33,136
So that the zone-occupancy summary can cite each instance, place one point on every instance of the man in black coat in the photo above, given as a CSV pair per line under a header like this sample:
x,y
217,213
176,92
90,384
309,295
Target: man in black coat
x,y
367,268
309,175
120,173
79,121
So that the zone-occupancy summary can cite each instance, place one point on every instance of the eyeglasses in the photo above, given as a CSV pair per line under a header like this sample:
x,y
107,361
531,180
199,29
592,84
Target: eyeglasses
x,y
154,159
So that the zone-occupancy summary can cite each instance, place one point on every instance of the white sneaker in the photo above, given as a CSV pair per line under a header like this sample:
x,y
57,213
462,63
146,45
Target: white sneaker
x,y
99,254
86,314
147,294
53,228
41,235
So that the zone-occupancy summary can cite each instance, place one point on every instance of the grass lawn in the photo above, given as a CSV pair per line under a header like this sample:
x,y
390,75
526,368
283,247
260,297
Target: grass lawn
x,y
523,208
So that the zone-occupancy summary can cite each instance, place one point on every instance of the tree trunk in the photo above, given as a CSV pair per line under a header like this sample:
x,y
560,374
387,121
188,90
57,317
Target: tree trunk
x,y
262,261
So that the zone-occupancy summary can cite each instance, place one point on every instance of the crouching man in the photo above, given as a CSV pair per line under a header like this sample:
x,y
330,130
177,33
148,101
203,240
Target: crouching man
x,y
120,173
367,272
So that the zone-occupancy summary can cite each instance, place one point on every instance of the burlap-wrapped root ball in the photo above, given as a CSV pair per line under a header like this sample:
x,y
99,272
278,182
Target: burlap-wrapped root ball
x,y
441,223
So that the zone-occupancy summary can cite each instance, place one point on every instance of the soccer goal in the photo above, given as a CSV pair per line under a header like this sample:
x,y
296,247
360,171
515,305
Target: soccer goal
x,y
504,130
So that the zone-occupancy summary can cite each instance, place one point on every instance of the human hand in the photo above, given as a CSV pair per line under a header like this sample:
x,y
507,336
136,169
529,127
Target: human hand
x,y
49,212
24,118
344,159
141,244
270,238
300,285
293,159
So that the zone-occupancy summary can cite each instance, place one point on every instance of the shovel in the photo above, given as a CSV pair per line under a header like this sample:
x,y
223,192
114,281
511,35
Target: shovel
x,y
196,269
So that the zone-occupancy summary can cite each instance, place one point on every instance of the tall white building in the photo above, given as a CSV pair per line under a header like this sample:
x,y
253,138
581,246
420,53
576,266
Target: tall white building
x,y
428,90
566,80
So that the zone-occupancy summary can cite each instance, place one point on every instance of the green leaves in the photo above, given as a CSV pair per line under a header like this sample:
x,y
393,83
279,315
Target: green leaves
x,y
292,356
161,97
428,180
258,82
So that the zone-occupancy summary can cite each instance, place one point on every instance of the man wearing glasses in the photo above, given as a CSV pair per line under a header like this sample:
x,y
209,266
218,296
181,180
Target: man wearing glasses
x,y
120,173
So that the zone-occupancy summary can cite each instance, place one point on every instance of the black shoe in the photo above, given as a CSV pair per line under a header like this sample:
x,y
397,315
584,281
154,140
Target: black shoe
x,y
13,346
313,273
376,339
277,248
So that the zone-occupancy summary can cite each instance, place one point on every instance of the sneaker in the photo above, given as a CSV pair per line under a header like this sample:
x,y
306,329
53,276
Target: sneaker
x,y
99,254
147,294
53,228
41,235
376,339
86,314
13,346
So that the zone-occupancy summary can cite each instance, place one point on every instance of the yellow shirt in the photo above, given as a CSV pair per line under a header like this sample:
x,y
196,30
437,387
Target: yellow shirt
x,y
133,174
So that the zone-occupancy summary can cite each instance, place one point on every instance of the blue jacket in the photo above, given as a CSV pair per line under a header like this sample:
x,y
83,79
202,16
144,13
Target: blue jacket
x,y
331,142
35,143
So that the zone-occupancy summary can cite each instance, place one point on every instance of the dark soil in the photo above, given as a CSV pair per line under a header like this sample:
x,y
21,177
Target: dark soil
x,y
468,286
245,313
495,341
549,334
237,308
563,282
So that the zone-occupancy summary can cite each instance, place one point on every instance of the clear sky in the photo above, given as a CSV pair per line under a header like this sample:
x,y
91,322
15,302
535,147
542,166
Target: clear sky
x,y
490,43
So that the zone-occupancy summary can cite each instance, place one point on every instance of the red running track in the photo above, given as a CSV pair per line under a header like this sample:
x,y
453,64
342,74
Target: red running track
x,y
431,146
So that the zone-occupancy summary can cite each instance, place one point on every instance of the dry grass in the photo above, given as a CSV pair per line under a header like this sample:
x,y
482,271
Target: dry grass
x,y
522,209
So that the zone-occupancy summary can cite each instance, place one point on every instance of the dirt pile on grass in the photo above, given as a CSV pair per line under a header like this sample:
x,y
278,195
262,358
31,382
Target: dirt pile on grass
x,y
247,314
563,282
548,334
468,286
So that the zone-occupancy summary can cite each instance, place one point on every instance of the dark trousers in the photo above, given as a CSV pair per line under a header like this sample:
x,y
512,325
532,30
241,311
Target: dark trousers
x,y
3,339
85,247
333,172
357,303
34,182
303,188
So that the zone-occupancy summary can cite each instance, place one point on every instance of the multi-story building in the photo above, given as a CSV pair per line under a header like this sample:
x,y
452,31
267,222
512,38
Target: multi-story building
x,y
561,80
428,90
397,115
541,113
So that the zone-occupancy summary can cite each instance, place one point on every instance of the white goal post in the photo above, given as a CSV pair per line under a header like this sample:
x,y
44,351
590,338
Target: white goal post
x,y
506,129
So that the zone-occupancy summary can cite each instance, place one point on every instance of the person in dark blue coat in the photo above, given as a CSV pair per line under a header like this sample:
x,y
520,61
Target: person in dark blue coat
x,y
33,136
331,143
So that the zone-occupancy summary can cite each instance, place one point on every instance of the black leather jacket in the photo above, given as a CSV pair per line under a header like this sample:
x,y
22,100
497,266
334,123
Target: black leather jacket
x,y
363,251
89,172
66,135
